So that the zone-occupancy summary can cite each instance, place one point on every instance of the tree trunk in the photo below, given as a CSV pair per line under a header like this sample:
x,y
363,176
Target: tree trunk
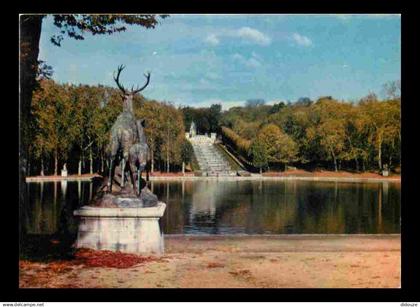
x,y
79,170
42,167
28,173
261,170
380,157
380,151
102,162
167,151
357,164
152,162
30,33
335,164
55,163
90,161
167,160
183,167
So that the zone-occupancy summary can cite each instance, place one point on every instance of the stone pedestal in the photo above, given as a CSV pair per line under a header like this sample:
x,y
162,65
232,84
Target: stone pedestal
x,y
129,230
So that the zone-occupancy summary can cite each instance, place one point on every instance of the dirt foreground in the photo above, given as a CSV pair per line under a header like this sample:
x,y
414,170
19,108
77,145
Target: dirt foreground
x,y
284,261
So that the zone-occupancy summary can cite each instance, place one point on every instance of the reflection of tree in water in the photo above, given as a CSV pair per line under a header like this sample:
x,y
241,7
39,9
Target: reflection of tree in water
x,y
42,211
207,205
276,207
177,196
318,208
235,207
51,204
256,206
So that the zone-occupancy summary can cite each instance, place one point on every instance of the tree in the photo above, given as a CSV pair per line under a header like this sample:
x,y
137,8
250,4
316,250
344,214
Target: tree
x,y
54,115
85,103
277,107
278,146
380,121
214,114
392,89
259,154
188,114
251,103
293,120
247,130
355,148
153,111
303,101
328,128
187,153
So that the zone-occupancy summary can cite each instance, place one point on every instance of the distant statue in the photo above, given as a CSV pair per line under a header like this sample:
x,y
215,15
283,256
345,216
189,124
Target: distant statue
x,y
64,171
125,134
193,130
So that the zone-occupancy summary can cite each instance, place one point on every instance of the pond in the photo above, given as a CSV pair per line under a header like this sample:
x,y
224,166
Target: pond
x,y
224,207
236,207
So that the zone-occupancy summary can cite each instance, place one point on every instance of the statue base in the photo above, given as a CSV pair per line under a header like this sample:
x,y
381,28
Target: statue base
x,y
126,228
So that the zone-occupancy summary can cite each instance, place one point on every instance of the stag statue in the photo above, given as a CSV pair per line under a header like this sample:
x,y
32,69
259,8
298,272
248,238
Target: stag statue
x,y
139,154
124,132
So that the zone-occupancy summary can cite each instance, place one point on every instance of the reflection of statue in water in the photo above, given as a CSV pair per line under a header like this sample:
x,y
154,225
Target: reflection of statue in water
x,y
128,147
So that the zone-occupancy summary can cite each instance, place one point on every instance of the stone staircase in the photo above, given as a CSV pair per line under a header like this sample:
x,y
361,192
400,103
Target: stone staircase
x,y
210,160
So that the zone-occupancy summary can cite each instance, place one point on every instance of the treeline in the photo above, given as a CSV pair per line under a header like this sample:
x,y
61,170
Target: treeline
x,y
205,119
71,123
365,135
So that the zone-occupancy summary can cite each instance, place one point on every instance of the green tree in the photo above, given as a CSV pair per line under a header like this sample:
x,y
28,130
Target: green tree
x,y
328,127
259,154
214,114
278,145
380,121
55,119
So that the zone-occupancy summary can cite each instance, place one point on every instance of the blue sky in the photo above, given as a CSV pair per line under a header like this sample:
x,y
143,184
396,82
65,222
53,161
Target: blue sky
x,y
198,60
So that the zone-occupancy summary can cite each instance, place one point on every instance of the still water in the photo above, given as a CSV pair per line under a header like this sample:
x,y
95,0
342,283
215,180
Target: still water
x,y
235,207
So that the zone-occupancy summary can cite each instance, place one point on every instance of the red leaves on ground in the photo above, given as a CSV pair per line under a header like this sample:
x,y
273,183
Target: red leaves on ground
x,y
213,265
36,274
93,258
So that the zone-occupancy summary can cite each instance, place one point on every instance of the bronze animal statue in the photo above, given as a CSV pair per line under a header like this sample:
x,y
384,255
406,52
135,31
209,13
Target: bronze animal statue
x,y
139,154
124,132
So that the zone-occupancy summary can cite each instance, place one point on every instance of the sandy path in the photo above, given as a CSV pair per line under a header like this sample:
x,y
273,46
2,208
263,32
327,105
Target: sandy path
x,y
246,261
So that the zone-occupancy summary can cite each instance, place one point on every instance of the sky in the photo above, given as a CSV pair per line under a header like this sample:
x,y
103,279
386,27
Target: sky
x,y
199,60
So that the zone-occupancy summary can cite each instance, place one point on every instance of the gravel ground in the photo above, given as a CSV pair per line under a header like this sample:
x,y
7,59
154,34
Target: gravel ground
x,y
284,261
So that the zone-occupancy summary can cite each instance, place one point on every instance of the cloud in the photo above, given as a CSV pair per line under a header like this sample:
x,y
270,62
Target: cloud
x,y
253,35
212,39
301,40
253,62
226,104
245,33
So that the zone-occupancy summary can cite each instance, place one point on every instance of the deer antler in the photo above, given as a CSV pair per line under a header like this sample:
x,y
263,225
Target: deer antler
x,y
116,79
147,75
